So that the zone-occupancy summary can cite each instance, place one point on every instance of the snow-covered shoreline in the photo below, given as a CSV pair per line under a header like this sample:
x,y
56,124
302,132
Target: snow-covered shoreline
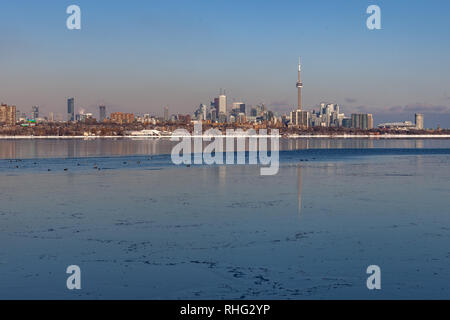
x,y
382,136
338,136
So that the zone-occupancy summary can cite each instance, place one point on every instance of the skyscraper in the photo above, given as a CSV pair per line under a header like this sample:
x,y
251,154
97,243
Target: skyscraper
x,y
166,113
204,110
215,105
238,107
34,112
299,86
223,104
71,109
102,112
362,121
419,121
300,118
370,121
7,115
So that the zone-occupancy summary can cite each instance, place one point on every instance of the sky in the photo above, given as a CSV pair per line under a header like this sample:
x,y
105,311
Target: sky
x,y
138,56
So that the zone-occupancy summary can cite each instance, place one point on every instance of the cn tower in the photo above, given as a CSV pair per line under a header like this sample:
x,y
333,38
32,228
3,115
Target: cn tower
x,y
299,86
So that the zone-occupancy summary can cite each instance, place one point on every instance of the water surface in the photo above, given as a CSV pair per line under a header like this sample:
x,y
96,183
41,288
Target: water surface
x,y
140,227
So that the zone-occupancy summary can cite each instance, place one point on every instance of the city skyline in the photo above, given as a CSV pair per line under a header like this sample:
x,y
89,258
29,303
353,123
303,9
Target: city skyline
x,y
327,115
361,70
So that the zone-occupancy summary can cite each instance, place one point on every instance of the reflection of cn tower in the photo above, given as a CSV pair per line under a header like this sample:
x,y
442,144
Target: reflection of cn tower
x,y
299,86
299,189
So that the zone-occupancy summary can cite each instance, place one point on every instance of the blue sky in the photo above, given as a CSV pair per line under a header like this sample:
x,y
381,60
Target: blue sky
x,y
138,56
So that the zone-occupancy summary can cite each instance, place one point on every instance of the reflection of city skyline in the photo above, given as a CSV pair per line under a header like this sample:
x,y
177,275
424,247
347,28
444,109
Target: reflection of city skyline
x,y
48,148
299,190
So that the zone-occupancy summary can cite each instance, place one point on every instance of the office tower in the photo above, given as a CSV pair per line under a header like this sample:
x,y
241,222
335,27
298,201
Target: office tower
x,y
102,113
34,112
347,122
51,117
204,111
361,121
238,107
300,118
215,105
419,121
369,121
166,113
71,109
299,86
222,104
213,114
8,114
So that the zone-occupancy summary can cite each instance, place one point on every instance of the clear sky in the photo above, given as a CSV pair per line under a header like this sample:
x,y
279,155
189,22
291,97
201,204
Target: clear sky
x,y
138,56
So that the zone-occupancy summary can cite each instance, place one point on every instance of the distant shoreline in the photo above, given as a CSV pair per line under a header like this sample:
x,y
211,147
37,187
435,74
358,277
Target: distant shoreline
x,y
292,136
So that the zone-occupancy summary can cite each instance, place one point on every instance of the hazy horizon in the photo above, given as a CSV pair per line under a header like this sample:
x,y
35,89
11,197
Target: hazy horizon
x,y
140,56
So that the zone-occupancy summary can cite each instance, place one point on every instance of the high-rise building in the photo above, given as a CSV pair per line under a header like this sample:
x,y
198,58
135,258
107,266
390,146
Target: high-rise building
x,y
215,105
35,112
362,121
223,104
242,108
166,113
51,117
369,121
300,118
299,86
238,107
71,109
419,121
347,122
213,114
8,115
102,113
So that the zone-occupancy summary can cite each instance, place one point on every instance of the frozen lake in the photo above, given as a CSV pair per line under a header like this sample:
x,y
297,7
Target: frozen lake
x,y
142,228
